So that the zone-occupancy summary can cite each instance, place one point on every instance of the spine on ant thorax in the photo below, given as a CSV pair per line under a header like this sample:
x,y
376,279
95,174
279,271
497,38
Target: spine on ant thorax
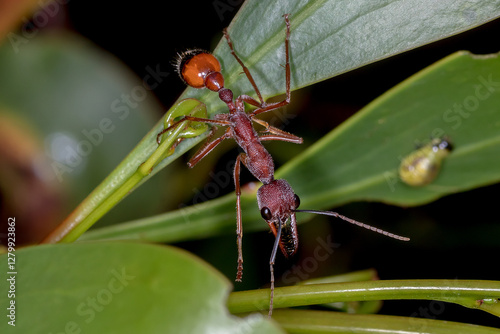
x,y
258,160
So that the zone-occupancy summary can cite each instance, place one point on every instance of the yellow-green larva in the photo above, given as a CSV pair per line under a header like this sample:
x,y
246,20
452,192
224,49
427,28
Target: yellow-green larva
x,y
422,166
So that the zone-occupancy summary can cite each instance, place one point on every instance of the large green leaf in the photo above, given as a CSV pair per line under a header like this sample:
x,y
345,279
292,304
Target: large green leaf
x,y
118,288
457,97
330,37
359,159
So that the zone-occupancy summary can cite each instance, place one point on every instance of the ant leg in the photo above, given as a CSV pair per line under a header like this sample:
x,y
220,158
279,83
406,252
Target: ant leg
x,y
277,134
245,69
208,146
239,224
271,266
192,119
250,100
286,101
288,137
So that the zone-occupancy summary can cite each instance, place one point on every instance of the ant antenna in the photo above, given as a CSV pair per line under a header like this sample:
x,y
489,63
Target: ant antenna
x,y
355,222
277,241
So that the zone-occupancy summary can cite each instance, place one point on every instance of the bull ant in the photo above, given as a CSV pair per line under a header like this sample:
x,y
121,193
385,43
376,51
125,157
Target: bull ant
x,y
276,199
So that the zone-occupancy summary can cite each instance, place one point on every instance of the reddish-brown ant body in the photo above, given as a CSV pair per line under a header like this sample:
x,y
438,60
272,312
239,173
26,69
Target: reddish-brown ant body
x,y
276,199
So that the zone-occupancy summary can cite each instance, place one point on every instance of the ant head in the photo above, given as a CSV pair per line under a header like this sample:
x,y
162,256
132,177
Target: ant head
x,y
199,69
277,203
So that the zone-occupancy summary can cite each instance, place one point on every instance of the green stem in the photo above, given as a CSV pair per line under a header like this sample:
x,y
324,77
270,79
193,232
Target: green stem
x,y
354,276
144,161
123,190
311,322
468,293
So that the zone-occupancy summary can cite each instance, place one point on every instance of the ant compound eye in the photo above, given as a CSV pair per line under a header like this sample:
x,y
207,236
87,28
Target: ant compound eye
x,y
297,201
194,66
266,213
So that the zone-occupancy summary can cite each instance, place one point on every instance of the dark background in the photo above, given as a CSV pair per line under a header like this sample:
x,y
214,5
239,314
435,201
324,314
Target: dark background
x,y
457,236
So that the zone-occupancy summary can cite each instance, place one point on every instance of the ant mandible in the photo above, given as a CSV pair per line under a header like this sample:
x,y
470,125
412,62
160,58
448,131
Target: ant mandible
x,y
276,199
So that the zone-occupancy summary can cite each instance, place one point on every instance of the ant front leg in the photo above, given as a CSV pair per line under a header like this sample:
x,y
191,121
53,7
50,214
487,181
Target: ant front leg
x,y
272,260
239,224
192,119
208,146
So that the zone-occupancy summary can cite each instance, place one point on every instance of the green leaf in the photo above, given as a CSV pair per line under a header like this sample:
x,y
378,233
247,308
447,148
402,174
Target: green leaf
x,y
366,151
457,97
119,288
330,37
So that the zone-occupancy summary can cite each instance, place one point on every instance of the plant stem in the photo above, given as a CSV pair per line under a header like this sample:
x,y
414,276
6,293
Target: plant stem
x,y
468,293
146,156
307,321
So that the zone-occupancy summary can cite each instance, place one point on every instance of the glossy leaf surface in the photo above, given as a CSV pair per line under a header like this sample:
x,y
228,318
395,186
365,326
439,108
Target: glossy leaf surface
x,y
119,288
